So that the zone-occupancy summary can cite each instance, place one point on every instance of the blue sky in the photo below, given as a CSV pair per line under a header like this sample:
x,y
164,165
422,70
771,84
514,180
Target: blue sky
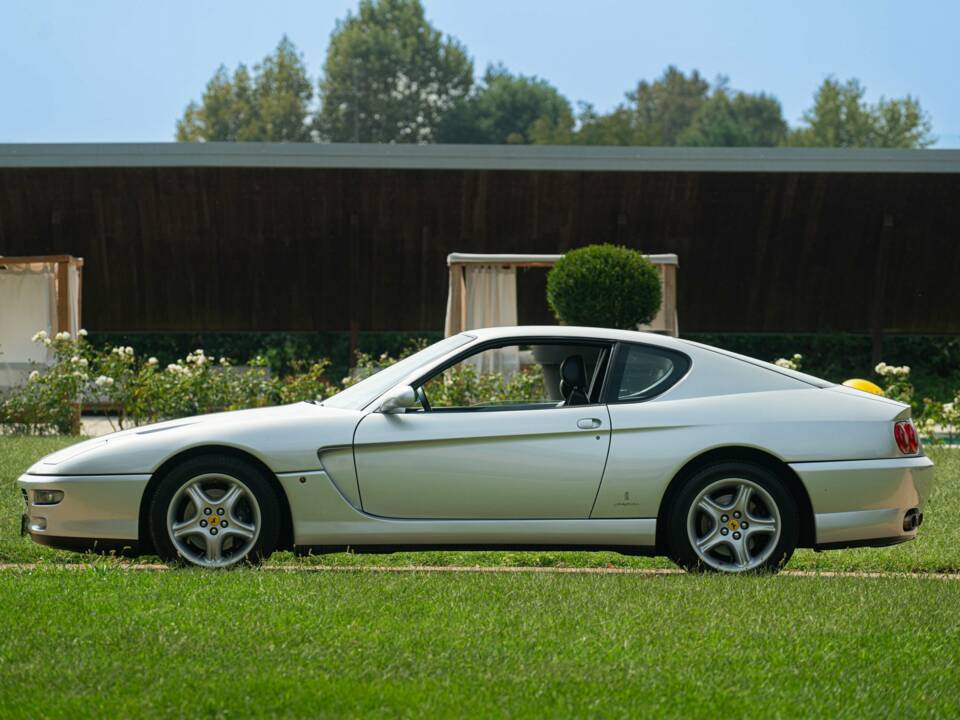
x,y
121,70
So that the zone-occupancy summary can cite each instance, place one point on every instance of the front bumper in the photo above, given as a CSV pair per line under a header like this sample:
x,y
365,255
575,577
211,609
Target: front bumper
x,y
861,502
96,512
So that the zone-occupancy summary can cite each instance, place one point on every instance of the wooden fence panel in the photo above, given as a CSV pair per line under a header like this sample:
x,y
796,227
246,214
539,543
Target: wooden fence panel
x,y
327,249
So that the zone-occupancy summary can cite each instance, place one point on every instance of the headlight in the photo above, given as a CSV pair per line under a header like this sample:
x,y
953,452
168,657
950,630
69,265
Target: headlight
x,y
47,497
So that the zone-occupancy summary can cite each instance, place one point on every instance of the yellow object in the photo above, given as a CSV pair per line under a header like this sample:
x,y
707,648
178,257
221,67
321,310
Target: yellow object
x,y
864,385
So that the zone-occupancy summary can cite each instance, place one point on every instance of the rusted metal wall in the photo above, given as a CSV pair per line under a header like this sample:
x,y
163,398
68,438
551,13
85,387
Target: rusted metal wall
x,y
322,249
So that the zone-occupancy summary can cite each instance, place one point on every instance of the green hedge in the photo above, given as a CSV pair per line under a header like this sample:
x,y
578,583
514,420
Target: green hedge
x,y
934,360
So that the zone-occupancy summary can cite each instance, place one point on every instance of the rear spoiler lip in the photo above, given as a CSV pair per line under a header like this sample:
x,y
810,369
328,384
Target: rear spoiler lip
x,y
905,410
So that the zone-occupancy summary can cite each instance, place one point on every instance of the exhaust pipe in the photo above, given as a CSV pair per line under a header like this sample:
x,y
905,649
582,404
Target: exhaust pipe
x,y
912,520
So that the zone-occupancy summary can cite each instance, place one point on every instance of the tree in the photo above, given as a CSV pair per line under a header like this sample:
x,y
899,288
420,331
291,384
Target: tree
x,y
604,286
841,117
272,105
512,109
663,109
742,120
390,76
614,128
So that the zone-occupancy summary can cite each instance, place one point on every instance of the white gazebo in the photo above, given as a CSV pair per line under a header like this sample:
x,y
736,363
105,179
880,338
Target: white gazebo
x,y
36,293
483,290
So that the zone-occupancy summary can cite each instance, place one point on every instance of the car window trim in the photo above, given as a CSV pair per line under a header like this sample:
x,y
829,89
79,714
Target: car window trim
x,y
616,368
476,348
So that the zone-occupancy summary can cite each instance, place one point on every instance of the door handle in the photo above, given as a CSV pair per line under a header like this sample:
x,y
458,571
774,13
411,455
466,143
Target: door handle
x,y
588,423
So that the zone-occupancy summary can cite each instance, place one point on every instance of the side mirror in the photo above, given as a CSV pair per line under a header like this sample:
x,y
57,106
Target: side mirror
x,y
397,400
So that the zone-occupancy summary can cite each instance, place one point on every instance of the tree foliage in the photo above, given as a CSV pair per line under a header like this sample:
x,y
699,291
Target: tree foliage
x,y
736,120
510,109
604,286
841,117
679,109
390,76
272,104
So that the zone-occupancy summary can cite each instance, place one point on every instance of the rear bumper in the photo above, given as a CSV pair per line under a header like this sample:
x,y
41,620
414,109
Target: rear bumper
x,y
858,502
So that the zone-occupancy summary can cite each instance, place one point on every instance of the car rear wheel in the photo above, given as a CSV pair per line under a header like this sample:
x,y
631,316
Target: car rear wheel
x,y
215,511
733,517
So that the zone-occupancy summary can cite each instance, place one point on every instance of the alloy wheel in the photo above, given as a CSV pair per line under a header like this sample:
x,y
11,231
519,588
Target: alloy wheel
x,y
213,520
733,525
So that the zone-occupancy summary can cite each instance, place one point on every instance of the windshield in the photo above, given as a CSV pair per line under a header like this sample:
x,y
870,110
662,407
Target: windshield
x,y
357,397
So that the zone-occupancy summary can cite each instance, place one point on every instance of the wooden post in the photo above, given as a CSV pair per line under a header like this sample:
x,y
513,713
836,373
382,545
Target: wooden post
x,y
63,297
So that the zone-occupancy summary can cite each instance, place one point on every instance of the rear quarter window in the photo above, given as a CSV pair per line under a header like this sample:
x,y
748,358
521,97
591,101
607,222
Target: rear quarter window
x,y
641,372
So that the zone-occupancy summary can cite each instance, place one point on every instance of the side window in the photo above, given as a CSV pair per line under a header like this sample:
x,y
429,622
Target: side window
x,y
643,372
517,377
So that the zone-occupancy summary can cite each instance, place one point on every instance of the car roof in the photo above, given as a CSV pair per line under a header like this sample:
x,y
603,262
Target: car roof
x,y
636,336
570,331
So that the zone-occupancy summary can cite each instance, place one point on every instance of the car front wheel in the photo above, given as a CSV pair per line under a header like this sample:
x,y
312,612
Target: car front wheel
x,y
214,511
733,517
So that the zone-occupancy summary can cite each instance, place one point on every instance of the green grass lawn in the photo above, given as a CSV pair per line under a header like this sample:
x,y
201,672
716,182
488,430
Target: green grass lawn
x,y
107,642
103,641
937,549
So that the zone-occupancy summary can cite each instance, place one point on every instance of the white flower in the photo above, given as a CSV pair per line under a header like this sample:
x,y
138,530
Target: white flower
x,y
40,336
786,364
35,375
797,356
81,333
80,374
75,359
905,369
128,350
881,369
83,362
153,362
64,335
104,381
224,361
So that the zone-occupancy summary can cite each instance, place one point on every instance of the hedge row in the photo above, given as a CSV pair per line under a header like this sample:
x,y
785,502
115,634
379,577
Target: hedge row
x,y
935,360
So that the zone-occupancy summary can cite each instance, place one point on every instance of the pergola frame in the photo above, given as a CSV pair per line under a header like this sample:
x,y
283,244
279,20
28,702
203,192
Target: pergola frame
x,y
667,263
63,263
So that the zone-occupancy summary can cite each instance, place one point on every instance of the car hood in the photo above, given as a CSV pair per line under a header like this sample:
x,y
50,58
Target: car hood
x,y
285,438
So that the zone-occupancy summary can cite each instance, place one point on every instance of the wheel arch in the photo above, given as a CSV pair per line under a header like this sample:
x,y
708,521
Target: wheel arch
x,y
737,453
286,517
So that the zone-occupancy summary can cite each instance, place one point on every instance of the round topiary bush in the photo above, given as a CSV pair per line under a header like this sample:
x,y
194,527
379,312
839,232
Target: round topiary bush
x,y
604,286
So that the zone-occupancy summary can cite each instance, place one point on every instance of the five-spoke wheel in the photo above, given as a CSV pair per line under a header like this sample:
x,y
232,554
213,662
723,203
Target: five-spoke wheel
x,y
213,520
733,517
214,511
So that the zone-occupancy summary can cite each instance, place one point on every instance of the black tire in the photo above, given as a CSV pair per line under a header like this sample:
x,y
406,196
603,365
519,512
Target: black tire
x,y
680,546
249,475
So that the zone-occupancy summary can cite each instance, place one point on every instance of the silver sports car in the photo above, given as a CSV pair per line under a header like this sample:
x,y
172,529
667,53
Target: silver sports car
x,y
517,437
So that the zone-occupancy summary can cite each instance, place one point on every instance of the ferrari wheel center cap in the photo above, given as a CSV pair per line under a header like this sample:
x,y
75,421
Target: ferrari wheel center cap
x,y
733,525
214,520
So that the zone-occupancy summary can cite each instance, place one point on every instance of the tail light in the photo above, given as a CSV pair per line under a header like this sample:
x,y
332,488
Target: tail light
x,y
906,437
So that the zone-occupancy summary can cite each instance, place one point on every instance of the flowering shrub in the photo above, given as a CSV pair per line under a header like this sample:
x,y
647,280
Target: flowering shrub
x,y
895,382
463,386
136,390
50,400
792,363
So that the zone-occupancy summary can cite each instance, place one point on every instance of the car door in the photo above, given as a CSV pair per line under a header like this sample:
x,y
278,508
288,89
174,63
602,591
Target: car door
x,y
534,461
505,464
